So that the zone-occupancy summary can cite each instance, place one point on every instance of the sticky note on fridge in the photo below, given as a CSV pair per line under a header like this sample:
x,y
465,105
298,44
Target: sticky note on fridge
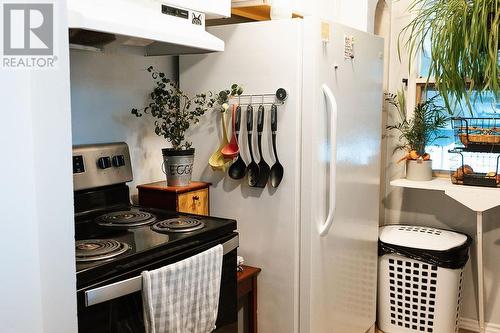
x,y
325,31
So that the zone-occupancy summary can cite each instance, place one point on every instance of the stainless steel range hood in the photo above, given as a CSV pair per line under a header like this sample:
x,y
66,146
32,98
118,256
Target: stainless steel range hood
x,y
160,28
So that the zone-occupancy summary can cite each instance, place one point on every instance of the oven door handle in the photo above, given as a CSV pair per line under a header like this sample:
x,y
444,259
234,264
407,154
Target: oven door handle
x,y
132,285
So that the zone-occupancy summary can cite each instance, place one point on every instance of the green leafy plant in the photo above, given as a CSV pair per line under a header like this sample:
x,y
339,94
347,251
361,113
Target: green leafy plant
x,y
419,130
463,37
175,112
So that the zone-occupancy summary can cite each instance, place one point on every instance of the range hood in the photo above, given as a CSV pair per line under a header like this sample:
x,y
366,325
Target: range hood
x,y
161,28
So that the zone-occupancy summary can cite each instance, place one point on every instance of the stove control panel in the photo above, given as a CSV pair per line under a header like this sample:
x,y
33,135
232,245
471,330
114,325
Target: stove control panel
x,y
78,166
101,165
104,162
118,161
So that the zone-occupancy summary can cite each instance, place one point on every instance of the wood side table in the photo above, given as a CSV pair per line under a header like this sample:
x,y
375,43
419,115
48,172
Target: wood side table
x,y
247,285
192,199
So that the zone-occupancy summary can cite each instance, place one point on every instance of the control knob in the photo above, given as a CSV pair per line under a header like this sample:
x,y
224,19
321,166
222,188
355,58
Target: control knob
x,y
104,162
118,161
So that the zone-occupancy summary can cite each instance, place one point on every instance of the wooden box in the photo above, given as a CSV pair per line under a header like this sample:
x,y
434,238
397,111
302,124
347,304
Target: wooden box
x,y
192,199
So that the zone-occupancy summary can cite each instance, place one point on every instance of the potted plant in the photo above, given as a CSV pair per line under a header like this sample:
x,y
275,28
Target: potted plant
x,y
463,38
174,112
416,133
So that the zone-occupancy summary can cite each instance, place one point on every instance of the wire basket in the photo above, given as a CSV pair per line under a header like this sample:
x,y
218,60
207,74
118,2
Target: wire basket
x,y
475,169
477,134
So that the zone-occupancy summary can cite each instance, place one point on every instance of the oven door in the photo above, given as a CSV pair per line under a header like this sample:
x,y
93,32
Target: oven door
x,y
116,306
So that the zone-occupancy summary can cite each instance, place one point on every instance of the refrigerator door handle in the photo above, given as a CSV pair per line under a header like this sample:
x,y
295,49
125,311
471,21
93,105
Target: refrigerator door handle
x,y
331,107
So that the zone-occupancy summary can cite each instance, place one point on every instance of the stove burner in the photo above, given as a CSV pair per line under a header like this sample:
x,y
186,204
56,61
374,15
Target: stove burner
x,y
127,218
178,224
98,249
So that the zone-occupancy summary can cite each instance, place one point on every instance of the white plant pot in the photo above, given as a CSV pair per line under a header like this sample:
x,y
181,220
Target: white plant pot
x,y
419,170
178,166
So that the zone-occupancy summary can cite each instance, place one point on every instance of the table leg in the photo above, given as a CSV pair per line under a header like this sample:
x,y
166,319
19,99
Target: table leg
x,y
480,272
252,307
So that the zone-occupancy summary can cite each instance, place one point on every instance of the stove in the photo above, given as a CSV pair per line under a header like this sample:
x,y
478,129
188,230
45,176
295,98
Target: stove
x,y
116,241
99,249
178,224
165,232
126,218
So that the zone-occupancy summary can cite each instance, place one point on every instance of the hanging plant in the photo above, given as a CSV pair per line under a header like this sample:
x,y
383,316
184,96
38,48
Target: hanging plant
x,y
463,37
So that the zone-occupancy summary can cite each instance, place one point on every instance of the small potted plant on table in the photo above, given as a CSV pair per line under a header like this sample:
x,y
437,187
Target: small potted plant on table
x,y
174,112
416,133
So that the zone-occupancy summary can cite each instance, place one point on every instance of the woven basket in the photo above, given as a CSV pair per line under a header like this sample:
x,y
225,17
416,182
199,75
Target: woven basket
x,y
479,138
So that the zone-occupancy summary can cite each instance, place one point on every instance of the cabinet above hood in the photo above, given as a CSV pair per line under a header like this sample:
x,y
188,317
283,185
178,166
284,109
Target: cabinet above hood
x,y
157,26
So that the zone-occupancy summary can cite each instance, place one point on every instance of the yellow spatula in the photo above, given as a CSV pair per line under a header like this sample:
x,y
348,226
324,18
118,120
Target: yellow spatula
x,y
217,161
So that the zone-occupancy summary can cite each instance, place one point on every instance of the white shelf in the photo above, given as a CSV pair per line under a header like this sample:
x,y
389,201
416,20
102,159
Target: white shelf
x,y
478,199
438,184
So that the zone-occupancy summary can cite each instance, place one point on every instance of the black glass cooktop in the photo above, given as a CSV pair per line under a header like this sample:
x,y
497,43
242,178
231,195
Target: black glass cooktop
x,y
138,244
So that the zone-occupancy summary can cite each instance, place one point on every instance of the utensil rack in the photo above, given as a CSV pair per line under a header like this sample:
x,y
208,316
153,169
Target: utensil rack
x,y
277,98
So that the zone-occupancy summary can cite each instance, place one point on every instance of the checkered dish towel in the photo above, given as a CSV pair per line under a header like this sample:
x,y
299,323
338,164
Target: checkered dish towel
x,y
183,297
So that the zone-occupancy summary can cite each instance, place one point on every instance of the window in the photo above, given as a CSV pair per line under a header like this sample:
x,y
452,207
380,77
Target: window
x,y
484,106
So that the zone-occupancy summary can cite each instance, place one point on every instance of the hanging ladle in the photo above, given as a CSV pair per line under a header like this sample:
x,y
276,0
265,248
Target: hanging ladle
x,y
276,174
231,150
238,169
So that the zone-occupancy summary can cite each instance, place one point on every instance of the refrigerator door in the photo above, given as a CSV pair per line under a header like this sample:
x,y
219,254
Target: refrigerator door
x,y
262,57
340,169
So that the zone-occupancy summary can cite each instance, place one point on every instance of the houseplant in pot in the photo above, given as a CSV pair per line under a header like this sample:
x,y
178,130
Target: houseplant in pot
x,y
416,132
463,37
174,112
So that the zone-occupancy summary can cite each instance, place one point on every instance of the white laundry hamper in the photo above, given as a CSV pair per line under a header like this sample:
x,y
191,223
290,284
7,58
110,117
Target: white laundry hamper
x,y
420,279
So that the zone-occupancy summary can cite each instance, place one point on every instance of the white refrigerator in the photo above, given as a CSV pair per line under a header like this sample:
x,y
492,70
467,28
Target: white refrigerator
x,y
315,236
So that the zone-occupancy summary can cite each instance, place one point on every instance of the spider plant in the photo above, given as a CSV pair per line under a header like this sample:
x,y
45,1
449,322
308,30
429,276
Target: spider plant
x,y
419,130
463,37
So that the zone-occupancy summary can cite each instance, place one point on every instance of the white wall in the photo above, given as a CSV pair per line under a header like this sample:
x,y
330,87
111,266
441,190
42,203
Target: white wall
x,y
104,87
422,207
358,14
37,249
354,13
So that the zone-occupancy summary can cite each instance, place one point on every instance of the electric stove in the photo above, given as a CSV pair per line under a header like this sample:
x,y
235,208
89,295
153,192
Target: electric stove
x,y
115,241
